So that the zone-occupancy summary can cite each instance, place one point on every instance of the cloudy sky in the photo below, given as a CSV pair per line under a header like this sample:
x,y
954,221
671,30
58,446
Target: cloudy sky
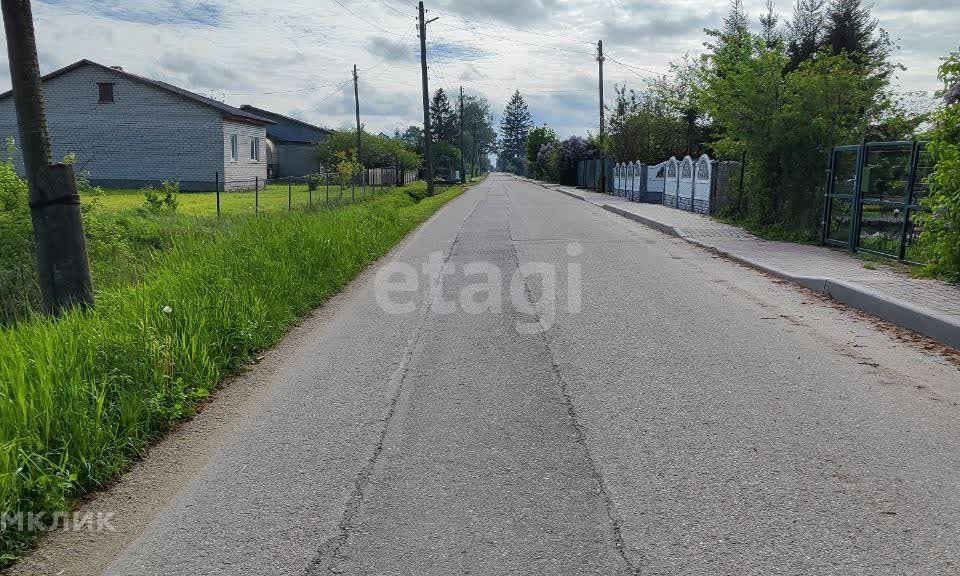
x,y
295,56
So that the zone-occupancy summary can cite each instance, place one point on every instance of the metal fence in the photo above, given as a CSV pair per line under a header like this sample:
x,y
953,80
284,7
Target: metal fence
x,y
589,172
874,189
256,194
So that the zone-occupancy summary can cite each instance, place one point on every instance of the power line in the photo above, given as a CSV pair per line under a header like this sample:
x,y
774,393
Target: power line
x,y
394,9
364,20
496,25
473,31
633,68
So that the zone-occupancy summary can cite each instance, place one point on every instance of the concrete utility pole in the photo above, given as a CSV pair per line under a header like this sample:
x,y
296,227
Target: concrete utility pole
x,y
603,158
61,251
463,173
427,135
356,101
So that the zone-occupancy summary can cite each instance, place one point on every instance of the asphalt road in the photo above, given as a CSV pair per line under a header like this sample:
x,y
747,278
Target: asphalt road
x,y
682,416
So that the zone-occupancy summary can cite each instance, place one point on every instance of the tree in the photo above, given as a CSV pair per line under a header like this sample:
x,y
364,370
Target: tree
x,y
804,32
851,30
412,138
940,236
514,126
443,119
377,151
536,138
625,125
768,26
480,135
736,21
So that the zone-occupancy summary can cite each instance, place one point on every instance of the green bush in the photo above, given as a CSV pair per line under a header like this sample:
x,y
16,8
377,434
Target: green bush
x,y
162,200
82,395
940,239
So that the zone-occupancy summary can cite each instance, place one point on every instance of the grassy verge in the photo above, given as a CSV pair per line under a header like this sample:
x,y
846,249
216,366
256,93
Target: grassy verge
x,y
82,395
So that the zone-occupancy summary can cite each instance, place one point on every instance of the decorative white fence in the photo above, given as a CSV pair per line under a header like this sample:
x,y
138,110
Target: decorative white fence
x,y
695,185
703,185
638,182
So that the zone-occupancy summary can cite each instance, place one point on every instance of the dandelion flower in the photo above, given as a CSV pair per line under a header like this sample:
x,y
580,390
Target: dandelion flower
x,y
167,309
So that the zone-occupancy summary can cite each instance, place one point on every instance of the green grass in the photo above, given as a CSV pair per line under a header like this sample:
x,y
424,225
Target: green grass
x,y
82,395
273,198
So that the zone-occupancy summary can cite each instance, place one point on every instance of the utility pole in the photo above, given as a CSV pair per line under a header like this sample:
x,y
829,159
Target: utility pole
x,y
603,158
463,173
61,251
427,135
356,101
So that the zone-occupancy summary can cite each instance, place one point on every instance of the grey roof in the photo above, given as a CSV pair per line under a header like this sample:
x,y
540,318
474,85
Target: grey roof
x,y
269,114
226,110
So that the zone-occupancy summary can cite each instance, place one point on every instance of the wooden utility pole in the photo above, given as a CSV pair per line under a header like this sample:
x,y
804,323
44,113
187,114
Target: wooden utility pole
x,y
427,134
463,168
61,251
356,101
603,160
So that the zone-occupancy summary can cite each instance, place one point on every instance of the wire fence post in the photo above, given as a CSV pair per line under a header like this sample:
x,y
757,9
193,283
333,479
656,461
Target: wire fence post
x,y
289,194
326,180
311,182
256,199
353,187
217,188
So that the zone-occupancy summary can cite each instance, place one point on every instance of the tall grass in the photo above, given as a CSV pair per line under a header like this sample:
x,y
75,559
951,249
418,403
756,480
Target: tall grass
x,y
82,395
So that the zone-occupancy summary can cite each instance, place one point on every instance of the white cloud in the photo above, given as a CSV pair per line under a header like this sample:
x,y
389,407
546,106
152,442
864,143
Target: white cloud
x,y
291,56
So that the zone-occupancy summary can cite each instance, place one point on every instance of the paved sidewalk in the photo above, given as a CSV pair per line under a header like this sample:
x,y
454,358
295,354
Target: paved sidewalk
x,y
930,307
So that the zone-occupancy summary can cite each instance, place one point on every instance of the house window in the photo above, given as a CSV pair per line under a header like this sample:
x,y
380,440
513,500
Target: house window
x,y
106,92
234,147
255,149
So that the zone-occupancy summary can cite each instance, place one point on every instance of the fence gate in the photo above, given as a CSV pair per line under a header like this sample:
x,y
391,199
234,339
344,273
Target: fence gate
x,y
841,193
873,191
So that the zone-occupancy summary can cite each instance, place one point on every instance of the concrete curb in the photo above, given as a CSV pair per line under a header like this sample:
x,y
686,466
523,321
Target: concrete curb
x,y
921,320
568,193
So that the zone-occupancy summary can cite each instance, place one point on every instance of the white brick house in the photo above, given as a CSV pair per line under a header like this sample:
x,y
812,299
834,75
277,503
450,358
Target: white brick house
x,y
128,131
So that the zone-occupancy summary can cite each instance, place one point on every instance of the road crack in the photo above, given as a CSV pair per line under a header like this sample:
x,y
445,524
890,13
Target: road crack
x,y
580,436
329,552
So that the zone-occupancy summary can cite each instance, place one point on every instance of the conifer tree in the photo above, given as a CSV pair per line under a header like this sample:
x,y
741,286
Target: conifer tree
x,y
514,126
804,31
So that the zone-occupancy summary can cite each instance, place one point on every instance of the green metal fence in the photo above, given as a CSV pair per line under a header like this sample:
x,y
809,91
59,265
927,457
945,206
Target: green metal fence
x,y
589,171
873,192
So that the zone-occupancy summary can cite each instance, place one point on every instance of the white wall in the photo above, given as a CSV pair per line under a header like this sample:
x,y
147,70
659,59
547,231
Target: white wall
x,y
241,174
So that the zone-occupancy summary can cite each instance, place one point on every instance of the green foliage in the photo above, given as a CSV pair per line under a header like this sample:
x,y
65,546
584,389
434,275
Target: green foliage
x,y
162,200
444,121
84,394
514,126
787,119
347,166
940,238
480,136
446,158
376,151
535,139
